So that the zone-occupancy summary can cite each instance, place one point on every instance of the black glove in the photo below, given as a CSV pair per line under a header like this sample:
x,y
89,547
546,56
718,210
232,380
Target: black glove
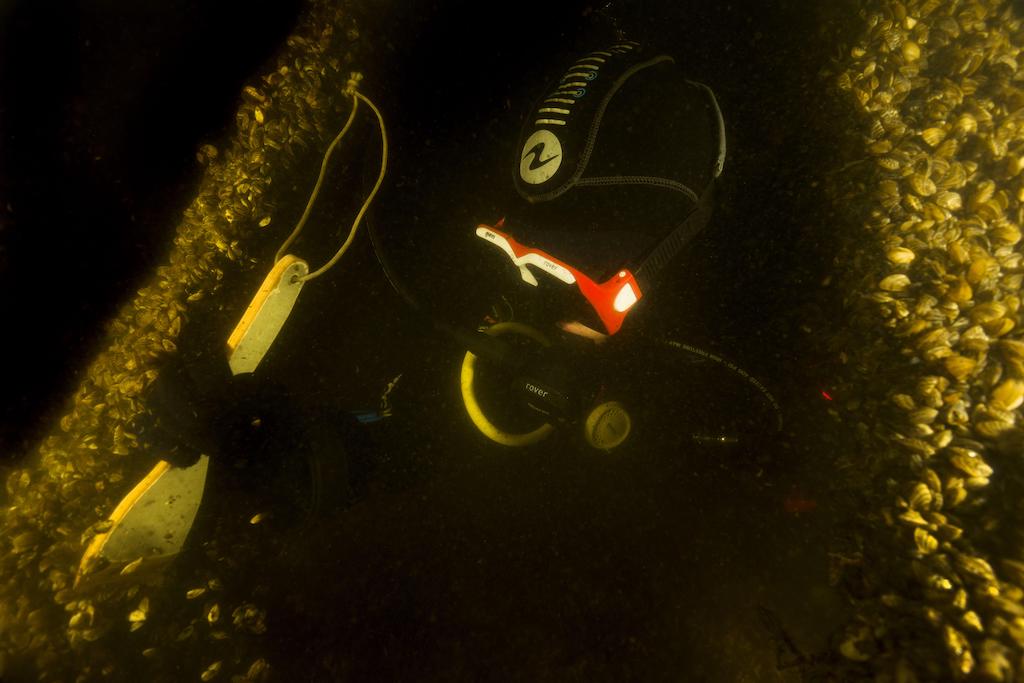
x,y
179,404
195,403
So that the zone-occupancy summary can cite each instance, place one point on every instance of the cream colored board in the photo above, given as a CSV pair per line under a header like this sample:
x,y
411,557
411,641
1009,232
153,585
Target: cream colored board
x,y
266,315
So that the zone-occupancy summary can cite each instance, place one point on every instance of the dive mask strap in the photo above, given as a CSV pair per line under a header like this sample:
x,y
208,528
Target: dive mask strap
x,y
648,272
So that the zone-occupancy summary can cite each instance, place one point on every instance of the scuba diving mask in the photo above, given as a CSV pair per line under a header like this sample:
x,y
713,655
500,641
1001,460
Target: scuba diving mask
x,y
615,172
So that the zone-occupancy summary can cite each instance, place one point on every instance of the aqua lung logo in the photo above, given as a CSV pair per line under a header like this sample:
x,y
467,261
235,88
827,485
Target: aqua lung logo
x,y
541,157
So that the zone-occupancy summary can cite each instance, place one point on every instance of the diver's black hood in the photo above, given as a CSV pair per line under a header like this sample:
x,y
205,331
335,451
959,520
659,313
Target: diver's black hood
x,y
613,156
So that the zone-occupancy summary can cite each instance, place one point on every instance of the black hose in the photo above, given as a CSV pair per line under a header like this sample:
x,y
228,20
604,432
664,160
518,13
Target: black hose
x,y
766,396
484,346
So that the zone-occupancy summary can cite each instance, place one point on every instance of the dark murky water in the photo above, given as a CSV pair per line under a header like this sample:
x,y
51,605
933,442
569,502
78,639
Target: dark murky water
x,y
431,553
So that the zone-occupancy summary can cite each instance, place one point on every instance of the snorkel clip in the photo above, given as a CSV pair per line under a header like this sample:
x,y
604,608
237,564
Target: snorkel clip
x,y
611,300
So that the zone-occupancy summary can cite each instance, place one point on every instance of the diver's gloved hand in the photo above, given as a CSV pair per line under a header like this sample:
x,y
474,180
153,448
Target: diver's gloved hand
x,y
187,406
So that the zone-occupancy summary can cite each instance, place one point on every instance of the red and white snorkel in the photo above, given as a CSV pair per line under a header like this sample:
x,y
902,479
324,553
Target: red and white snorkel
x,y
611,300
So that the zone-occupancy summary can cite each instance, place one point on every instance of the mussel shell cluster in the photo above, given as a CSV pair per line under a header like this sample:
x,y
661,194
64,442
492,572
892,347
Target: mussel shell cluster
x,y
935,266
60,497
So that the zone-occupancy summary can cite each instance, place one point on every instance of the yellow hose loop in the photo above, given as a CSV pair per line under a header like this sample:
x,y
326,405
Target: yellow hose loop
x,y
486,427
